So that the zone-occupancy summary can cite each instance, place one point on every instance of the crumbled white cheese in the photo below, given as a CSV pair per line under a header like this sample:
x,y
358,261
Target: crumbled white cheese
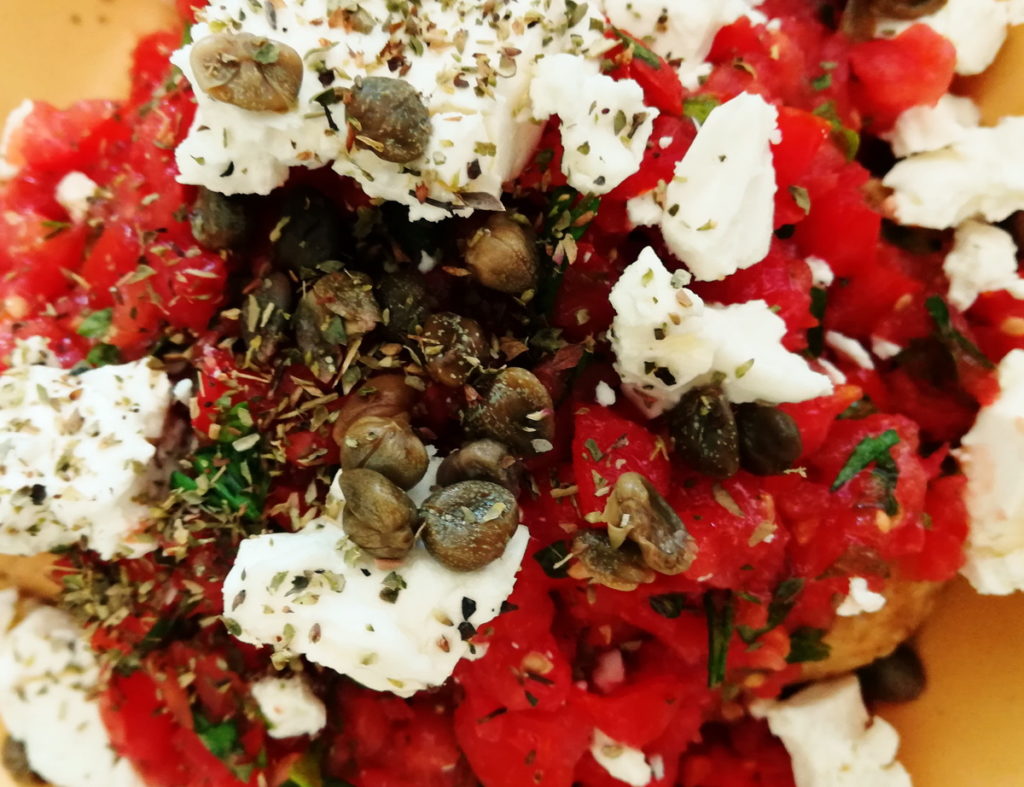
x,y
472,67
74,193
821,272
717,212
981,174
605,125
667,340
312,593
48,683
983,259
289,706
604,394
835,376
11,125
860,599
884,349
992,456
923,128
622,762
77,456
832,739
850,348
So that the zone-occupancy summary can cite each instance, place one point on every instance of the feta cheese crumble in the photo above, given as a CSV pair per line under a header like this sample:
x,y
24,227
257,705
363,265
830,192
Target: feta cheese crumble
x,y
14,120
667,340
991,456
74,193
923,128
48,683
289,706
860,599
850,348
821,272
78,456
833,740
622,762
717,213
604,394
983,259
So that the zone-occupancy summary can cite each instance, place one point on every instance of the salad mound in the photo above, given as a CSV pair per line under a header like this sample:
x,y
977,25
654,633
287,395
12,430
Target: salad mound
x,y
509,393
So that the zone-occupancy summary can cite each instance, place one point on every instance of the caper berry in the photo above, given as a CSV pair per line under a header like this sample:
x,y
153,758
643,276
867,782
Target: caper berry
x,y
704,433
468,525
338,308
389,118
251,72
265,314
453,347
905,9
603,564
404,301
388,446
378,516
517,411
308,233
482,460
652,524
218,221
384,395
769,439
501,253
898,677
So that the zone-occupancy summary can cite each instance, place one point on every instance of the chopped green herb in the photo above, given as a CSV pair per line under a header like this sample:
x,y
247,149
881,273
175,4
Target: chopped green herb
x,y
870,449
805,645
719,613
950,336
779,607
801,198
640,52
697,108
103,355
847,139
823,82
95,324
595,453
221,739
668,605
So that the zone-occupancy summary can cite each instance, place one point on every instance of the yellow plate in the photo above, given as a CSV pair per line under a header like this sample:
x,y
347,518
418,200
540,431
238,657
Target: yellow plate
x,y
966,729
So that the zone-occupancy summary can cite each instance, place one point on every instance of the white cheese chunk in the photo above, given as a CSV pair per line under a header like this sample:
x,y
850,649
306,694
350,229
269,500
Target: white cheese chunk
x,y
981,174
821,272
622,762
667,340
992,456
77,456
923,128
311,593
289,706
983,259
717,212
604,394
860,599
833,740
884,349
605,125
74,193
14,120
850,348
48,681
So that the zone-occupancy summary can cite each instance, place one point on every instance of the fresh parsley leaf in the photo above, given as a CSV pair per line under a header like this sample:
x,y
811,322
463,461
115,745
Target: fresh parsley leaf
x,y
697,108
779,607
870,449
805,645
668,605
640,52
823,82
221,739
96,324
950,336
554,559
719,613
847,139
103,355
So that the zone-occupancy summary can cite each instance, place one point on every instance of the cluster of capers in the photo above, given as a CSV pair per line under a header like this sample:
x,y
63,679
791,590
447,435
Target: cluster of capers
x,y
718,438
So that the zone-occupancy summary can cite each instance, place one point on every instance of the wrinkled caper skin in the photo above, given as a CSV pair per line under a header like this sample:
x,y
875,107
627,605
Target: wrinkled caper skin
x,y
310,232
389,118
453,347
388,446
219,222
704,433
653,525
501,254
898,677
482,460
251,72
15,761
517,411
905,9
384,395
769,439
338,308
378,516
603,564
265,314
468,525
405,303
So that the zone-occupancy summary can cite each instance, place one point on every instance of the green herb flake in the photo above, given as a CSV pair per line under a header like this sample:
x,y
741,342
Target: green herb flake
x,y
96,324
805,644
719,614
697,108
103,355
639,51
595,453
949,335
221,739
801,198
845,138
668,605
871,449
267,53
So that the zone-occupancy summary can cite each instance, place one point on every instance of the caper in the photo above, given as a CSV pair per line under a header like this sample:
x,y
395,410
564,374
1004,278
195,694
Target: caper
x,y
704,433
453,347
501,253
265,313
467,525
218,221
338,308
378,516
389,118
769,439
898,677
517,411
404,301
905,9
482,460
651,523
388,446
251,72
603,564
308,233
15,761
384,395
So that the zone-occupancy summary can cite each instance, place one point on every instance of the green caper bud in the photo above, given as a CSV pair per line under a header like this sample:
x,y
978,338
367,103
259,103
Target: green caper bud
x,y
337,309
389,118
453,347
404,301
308,233
378,516
704,433
601,563
769,439
651,523
251,72
265,314
219,222
898,677
468,525
905,9
517,411
15,762
482,460
501,253
386,445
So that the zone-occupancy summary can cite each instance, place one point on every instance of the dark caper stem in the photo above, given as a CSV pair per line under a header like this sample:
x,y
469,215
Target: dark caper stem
x,y
388,446
651,523
453,347
469,524
769,439
501,253
603,564
482,460
378,516
265,314
251,72
898,677
219,222
704,433
517,411
389,118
